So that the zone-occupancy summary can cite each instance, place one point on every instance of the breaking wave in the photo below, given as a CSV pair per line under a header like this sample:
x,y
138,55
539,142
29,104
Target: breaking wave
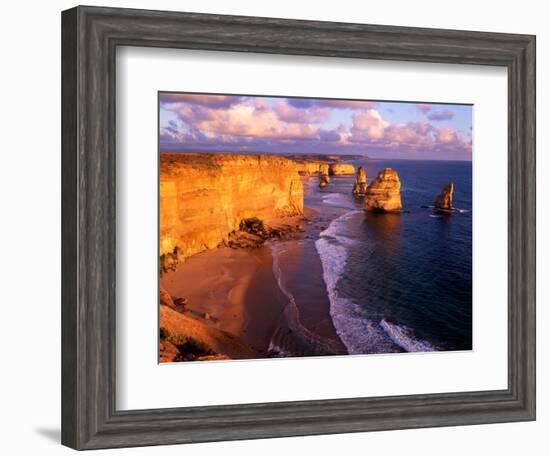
x,y
404,337
360,332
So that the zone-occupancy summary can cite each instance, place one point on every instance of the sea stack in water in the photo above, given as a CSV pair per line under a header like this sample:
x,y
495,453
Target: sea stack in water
x,y
360,186
324,179
384,193
444,200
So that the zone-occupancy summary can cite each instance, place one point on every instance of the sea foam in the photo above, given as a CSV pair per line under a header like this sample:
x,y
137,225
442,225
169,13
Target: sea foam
x,y
404,337
359,334
293,338
338,200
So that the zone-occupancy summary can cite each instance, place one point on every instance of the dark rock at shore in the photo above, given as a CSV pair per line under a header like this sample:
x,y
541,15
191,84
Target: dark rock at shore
x,y
182,302
165,298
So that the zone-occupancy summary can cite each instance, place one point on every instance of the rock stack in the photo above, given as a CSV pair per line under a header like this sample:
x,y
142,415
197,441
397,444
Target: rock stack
x,y
384,193
444,200
360,186
324,178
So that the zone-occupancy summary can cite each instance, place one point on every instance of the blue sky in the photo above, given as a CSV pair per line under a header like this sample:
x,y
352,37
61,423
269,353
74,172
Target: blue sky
x,y
204,122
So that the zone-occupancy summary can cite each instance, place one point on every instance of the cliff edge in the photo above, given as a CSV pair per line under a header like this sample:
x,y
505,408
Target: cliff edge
x,y
204,196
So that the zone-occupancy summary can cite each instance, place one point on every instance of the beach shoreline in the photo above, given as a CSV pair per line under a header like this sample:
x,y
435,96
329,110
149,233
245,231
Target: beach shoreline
x,y
234,290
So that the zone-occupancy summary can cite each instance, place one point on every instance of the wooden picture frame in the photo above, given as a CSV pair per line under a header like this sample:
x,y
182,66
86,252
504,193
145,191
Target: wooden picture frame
x,y
90,37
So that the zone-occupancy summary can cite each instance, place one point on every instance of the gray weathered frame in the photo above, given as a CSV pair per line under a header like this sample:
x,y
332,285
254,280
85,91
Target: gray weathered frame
x,y
90,36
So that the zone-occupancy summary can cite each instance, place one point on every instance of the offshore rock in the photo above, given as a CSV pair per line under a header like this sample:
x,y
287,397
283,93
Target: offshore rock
x,y
384,193
444,200
360,186
324,178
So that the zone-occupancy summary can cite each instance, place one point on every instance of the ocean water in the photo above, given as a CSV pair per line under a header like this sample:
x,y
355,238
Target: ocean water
x,y
394,282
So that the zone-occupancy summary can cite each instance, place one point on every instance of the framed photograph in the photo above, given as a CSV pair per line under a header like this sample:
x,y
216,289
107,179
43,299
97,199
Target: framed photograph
x,y
280,228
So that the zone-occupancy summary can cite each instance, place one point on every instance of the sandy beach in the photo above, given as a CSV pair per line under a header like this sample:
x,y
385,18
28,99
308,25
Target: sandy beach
x,y
232,295
235,289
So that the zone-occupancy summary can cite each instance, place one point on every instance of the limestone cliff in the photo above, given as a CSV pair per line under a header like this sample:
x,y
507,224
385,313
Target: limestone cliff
x,y
204,197
339,169
384,193
308,168
444,200
360,186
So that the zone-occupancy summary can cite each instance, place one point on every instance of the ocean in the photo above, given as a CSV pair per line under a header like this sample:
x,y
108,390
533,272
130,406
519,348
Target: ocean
x,y
394,282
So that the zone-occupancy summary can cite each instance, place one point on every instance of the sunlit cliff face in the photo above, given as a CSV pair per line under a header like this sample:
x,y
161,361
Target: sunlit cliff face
x,y
384,193
204,197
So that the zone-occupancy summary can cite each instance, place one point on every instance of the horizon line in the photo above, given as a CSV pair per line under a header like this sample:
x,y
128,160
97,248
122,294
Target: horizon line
x,y
307,153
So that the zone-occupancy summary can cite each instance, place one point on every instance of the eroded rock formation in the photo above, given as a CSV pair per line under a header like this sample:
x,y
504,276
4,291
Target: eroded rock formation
x,y
204,197
384,193
308,168
340,169
444,200
360,186
324,178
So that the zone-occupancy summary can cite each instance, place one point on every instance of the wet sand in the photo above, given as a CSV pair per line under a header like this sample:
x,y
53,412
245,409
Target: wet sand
x,y
238,292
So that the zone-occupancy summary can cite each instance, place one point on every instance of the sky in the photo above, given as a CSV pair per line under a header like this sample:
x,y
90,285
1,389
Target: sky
x,y
377,129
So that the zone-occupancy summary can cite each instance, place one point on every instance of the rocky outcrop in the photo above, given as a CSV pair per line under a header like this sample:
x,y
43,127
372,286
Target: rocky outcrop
x,y
204,197
324,178
165,298
185,338
360,186
341,169
384,193
444,200
308,168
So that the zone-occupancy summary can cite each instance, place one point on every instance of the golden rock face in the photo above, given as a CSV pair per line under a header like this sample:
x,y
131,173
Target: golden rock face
x,y
360,186
204,197
384,193
339,169
445,199
324,169
324,178
308,168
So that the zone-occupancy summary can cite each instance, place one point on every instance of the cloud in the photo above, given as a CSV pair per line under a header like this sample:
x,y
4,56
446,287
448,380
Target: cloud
x,y
304,103
424,107
312,114
446,135
248,120
217,122
211,101
329,135
368,124
445,114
